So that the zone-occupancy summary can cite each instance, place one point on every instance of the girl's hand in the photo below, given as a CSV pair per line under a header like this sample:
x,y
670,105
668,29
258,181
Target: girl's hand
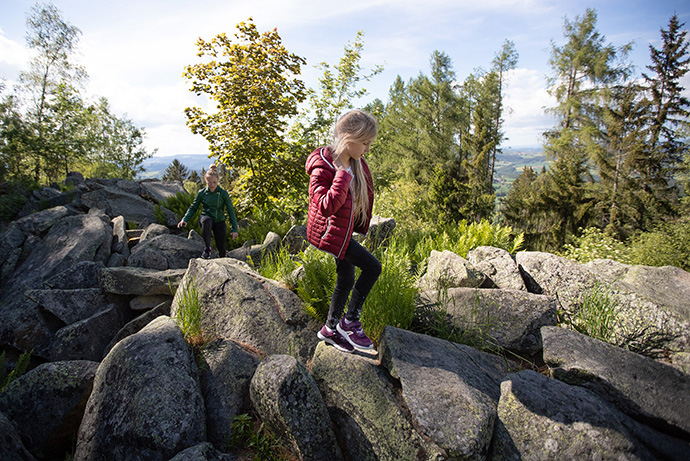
x,y
234,235
181,224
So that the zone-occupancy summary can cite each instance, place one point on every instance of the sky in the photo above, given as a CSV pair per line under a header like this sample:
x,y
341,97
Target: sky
x,y
135,51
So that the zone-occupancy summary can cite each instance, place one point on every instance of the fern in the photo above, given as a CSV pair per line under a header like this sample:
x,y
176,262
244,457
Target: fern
x,y
19,369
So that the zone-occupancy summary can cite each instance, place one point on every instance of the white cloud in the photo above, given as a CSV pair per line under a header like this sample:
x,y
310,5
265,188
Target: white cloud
x,y
526,99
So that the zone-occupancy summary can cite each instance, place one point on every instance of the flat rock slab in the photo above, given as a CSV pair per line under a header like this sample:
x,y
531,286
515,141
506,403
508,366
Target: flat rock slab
x,y
641,387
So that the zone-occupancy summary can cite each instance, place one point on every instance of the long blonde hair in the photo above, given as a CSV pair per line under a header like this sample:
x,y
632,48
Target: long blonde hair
x,y
355,126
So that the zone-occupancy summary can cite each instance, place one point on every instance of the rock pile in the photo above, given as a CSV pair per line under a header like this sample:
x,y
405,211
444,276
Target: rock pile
x,y
113,377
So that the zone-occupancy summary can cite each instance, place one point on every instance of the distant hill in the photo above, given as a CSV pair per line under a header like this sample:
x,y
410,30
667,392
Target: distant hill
x,y
155,166
509,165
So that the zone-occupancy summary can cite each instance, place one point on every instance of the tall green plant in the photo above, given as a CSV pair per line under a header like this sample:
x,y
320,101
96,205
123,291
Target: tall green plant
x,y
316,282
19,369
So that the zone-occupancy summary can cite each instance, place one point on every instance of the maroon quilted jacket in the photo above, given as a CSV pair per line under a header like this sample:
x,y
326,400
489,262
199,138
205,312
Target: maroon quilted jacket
x,y
330,222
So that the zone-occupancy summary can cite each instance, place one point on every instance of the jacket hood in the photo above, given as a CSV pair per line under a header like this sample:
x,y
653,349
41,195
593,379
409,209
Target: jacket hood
x,y
320,158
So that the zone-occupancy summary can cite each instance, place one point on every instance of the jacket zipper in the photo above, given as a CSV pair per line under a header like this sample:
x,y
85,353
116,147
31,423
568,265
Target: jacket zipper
x,y
349,230
328,226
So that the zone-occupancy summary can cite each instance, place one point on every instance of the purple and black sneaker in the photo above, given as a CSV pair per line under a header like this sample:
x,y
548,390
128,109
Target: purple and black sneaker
x,y
354,334
335,339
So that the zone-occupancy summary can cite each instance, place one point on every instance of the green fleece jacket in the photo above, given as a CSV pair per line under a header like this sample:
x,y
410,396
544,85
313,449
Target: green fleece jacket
x,y
213,205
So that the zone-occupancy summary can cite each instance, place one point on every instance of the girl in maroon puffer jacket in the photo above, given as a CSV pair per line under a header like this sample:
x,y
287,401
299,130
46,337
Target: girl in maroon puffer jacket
x,y
341,196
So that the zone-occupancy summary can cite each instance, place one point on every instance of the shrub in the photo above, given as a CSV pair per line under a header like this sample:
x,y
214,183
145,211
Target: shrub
x,y
594,244
317,282
392,299
668,245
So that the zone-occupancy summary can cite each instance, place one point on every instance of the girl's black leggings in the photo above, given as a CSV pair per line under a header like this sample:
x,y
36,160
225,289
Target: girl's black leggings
x,y
355,256
219,233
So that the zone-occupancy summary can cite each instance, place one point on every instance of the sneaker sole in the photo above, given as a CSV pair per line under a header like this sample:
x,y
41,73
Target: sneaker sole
x,y
347,337
333,343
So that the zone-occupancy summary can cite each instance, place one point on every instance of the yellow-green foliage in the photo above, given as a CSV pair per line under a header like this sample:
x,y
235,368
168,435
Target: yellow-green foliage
x,y
189,314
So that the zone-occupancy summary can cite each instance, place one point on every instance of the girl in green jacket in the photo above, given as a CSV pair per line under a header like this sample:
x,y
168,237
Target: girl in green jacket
x,y
214,200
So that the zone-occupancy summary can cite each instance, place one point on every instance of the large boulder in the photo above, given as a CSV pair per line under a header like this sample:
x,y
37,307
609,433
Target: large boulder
x,y
139,281
509,319
47,405
118,202
239,304
451,390
70,240
368,417
12,448
288,401
540,418
160,191
651,304
295,239
226,371
498,265
446,269
146,401
645,389
165,251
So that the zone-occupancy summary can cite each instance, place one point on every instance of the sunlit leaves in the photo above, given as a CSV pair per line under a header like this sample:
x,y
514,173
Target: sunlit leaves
x,y
253,82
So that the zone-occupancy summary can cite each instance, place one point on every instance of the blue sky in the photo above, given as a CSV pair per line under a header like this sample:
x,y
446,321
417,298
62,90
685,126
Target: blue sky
x,y
135,50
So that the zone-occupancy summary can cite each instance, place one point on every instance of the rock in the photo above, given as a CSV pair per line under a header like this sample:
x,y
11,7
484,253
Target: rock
x,y
11,239
146,401
509,319
226,371
159,191
645,389
12,448
120,240
153,230
203,452
545,419
368,417
73,178
380,229
117,202
87,338
165,252
47,404
288,401
69,306
451,390
144,303
555,276
139,281
295,239
82,275
41,221
239,304
135,325
446,270
71,240
498,265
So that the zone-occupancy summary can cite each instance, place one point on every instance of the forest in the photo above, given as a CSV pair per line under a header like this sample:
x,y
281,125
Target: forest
x,y
618,165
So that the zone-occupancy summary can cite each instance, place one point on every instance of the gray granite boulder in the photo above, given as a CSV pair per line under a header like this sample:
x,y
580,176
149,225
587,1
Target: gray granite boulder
x,y
368,416
239,304
47,404
498,265
508,319
447,270
645,389
146,401
540,418
226,371
451,390
287,400
139,281
165,251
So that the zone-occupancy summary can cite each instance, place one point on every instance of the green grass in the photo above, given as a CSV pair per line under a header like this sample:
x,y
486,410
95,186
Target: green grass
x,y
19,369
255,441
189,315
